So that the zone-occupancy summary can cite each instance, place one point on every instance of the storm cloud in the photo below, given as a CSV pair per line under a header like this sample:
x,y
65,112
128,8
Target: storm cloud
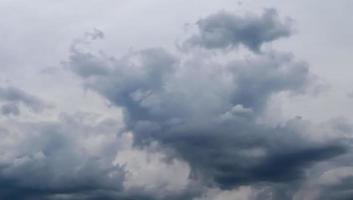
x,y
207,112
197,120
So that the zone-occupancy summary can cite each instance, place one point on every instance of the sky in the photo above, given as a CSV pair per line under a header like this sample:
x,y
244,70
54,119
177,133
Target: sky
x,y
181,99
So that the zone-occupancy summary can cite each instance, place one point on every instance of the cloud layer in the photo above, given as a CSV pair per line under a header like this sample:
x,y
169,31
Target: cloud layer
x,y
192,125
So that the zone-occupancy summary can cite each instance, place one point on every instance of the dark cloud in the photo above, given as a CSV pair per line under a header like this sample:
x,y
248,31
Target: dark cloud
x,y
226,30
155,85
15,96
201,113
336,182
207,112
72,158
45,160
340,191
241,153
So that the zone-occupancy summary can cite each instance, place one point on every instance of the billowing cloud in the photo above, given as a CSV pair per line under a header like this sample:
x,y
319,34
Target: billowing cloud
x,y
227,30
80,157
207,112
65,157
194,124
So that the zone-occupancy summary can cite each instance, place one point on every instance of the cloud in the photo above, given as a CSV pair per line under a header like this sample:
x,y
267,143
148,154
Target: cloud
x,y
83,156
10,109
241,193
191,129
15,96
337,184
152,172
207,112
154,82
226,30
44,159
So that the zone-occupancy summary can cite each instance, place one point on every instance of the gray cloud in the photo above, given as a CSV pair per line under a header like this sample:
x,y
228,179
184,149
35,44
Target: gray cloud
x,y
44,160
227,30
87,65
10,109
192,123
207,112
340,191
75,157
17,96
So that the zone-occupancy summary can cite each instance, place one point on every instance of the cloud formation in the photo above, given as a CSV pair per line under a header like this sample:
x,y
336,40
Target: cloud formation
x,y
192,125
43,160
82,156
225,30
337,184
207,112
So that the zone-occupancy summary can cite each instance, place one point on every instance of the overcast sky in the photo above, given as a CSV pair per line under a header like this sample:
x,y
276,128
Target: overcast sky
x,y
182,99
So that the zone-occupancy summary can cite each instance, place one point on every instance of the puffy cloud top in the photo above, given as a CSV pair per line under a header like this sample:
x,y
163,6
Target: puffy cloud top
x,y
227,30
